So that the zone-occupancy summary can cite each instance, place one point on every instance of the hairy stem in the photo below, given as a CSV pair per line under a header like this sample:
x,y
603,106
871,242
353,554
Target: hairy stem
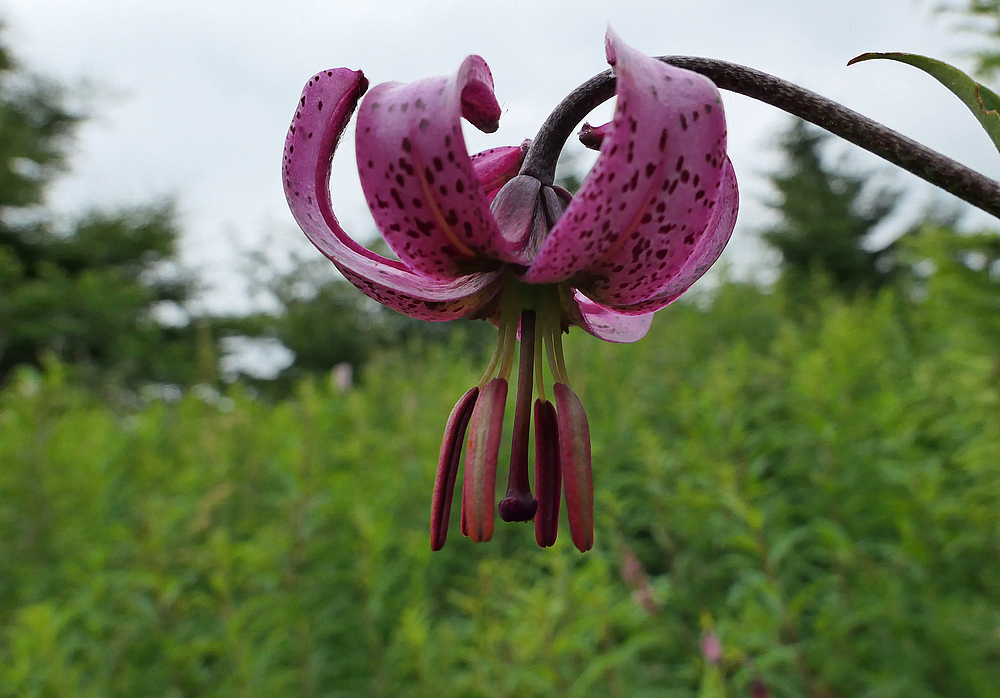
x,y
955,178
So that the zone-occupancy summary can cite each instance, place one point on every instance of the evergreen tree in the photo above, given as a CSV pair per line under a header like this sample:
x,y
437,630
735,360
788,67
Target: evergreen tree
x,y
826,217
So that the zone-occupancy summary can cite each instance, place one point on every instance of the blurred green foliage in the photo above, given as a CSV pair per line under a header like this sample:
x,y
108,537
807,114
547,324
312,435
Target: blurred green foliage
x,y
821,491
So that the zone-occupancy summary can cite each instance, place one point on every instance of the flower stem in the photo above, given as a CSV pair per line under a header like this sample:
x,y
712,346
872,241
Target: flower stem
x,y
965,183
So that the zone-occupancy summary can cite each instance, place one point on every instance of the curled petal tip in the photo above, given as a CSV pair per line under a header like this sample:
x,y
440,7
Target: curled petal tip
x,y
592,136
610,50
479,103
322,114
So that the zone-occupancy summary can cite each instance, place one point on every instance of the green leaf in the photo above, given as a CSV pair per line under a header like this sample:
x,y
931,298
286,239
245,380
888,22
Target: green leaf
x,y
981,100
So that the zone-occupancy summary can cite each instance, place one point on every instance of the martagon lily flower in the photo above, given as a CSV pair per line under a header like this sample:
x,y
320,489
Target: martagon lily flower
x,y
489,236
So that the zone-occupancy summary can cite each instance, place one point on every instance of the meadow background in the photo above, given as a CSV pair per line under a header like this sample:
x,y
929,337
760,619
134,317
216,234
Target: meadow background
x,y
806,469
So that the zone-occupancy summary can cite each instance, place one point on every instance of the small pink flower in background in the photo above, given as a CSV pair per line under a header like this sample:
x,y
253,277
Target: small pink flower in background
x,y
711,648
477,238
635,576
342,377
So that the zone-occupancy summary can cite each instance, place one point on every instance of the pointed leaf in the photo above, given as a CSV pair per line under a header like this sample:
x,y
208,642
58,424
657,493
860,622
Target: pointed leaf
x,y
324,109
980,100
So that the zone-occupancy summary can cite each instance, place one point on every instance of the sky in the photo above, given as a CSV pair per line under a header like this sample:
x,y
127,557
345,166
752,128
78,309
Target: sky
x,y
191,98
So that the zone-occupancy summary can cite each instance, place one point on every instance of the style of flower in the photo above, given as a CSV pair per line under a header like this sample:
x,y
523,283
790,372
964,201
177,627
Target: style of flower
x,y
490,237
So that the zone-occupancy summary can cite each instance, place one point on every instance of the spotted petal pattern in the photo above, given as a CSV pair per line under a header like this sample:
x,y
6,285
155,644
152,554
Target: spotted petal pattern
x,y
706,252
649,198
326,104
472,232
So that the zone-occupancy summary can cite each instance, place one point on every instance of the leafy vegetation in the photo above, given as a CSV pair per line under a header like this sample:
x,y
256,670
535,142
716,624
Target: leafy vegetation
x,y
821,492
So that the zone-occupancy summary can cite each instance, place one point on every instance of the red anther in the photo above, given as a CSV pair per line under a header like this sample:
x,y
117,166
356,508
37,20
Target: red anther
x,y
548,479
447,470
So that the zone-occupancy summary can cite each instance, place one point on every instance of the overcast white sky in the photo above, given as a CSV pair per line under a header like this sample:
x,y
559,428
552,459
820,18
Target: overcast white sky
x,y
194,96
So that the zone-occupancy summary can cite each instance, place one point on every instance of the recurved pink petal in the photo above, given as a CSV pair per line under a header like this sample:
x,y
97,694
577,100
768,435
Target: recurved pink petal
x,y
608,324
324,109
481,454
497,166
416,173
649,197
706,253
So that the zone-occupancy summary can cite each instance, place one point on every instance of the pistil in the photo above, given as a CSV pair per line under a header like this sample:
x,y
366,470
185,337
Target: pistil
x,y
518,504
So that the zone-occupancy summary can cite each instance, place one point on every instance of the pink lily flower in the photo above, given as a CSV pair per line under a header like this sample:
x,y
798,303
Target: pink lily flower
x,y
490,237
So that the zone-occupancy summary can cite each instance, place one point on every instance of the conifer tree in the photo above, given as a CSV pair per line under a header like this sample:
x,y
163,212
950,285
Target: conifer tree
x,y
825,217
